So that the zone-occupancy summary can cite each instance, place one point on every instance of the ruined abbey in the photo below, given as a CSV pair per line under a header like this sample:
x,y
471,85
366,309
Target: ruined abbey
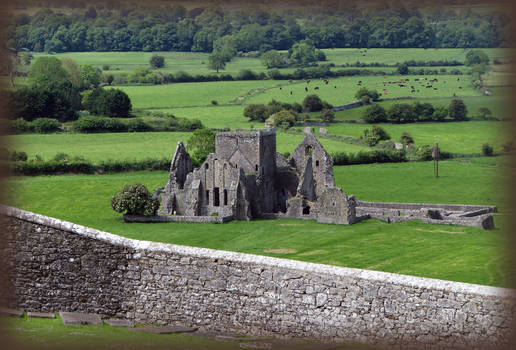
x,y
247,178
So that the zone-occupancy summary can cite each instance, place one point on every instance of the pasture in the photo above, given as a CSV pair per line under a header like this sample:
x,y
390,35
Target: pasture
x,y
455,137
342,90
447,252
134,146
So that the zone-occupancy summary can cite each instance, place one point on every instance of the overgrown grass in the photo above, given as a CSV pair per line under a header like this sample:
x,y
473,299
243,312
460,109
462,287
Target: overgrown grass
x,y
134,146
455,137
447,252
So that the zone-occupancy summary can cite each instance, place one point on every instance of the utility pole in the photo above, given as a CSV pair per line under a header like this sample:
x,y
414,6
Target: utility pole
x,y
435,155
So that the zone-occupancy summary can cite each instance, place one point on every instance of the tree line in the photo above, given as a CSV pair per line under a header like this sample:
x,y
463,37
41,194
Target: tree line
x,y
117,26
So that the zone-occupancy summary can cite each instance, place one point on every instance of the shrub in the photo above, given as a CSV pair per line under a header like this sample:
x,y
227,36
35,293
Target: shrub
x,y
313,103
374,114
406,139
283,119
423,110
105,67
157,61
46,125
374,135
369,94
109,102
18,156
137,125
20,125
327,115
246,74
401,113
440,113
484,112
403,68
184,124
134,200
476,57
487,150
256,112
424,153
214,102
98,124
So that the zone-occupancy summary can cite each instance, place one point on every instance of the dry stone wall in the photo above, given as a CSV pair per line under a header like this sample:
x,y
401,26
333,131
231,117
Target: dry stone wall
x,y
59,266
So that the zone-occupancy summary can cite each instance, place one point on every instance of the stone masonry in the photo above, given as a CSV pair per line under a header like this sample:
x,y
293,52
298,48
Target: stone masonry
x,y
51,265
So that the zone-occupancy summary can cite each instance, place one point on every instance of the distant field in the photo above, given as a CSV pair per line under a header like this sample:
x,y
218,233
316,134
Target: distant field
x,y
133,146
392,56
497,104
215,116
456,137
346,88
192,94
408,248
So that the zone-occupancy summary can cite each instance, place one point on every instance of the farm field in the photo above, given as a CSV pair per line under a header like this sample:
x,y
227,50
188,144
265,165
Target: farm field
x,y
135,146
346,88
215,116
456,137
407,248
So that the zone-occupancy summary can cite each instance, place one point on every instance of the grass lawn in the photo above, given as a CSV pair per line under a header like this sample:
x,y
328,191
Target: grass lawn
x,y
215,116
346,88
457,137
134,146
447,252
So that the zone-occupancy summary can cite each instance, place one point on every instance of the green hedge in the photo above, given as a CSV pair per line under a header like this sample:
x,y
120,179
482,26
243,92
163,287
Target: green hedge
x,y
374,156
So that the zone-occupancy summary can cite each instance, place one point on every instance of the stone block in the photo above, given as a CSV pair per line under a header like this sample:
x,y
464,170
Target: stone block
x,y
41,314
11,312
120,323
79,319
164,329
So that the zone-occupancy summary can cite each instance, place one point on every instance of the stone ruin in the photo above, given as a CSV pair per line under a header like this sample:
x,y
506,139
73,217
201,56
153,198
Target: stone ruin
x,y
247,178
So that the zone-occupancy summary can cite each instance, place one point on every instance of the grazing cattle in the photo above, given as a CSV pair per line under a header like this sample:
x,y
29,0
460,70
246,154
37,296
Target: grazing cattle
x,y
428,87
308,81
306,89
412,91
326,82
280,88
417,79
454,94
435,88
458,79
360,81
460,87
316,88
335,87
291,92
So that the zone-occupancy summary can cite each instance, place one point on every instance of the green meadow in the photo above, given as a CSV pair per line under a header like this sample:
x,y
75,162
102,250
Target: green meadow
x,y
455,137
457,253
135,146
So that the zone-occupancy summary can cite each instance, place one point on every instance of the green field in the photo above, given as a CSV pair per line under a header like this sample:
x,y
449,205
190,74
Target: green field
x,y
393,56
346,88
455,137
134,146
407,248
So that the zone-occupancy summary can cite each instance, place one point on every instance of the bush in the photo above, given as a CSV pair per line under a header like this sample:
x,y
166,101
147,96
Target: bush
x,y
105,67
403,68
134,200
109,102
327,115
313,103
246,74
375,135
374,114
18,156
157,61
401,113
487,150
98,124
20,125
256,112
137,125
365,92
424,110
440,113
406,139
184,124
283,119
424,153
46,125
214,102
375,156
476,57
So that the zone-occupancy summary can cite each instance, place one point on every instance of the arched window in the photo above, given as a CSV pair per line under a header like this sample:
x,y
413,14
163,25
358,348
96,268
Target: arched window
x,y
308,151
206,166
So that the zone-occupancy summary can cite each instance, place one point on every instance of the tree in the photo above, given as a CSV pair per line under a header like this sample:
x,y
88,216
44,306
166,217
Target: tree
x,y
110,102
423,110
401,113
216,61
440,113
327,115
374,135
134,200
476,57
365,92
157,61
487,150
283,119
457,110
273,59
201,143
406,139
304,52
403,68
484,112
313,103
375,114
90,76
74,72
256,112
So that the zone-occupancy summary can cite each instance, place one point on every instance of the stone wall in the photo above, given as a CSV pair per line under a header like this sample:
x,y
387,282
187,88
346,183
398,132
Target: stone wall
x,y
59,266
